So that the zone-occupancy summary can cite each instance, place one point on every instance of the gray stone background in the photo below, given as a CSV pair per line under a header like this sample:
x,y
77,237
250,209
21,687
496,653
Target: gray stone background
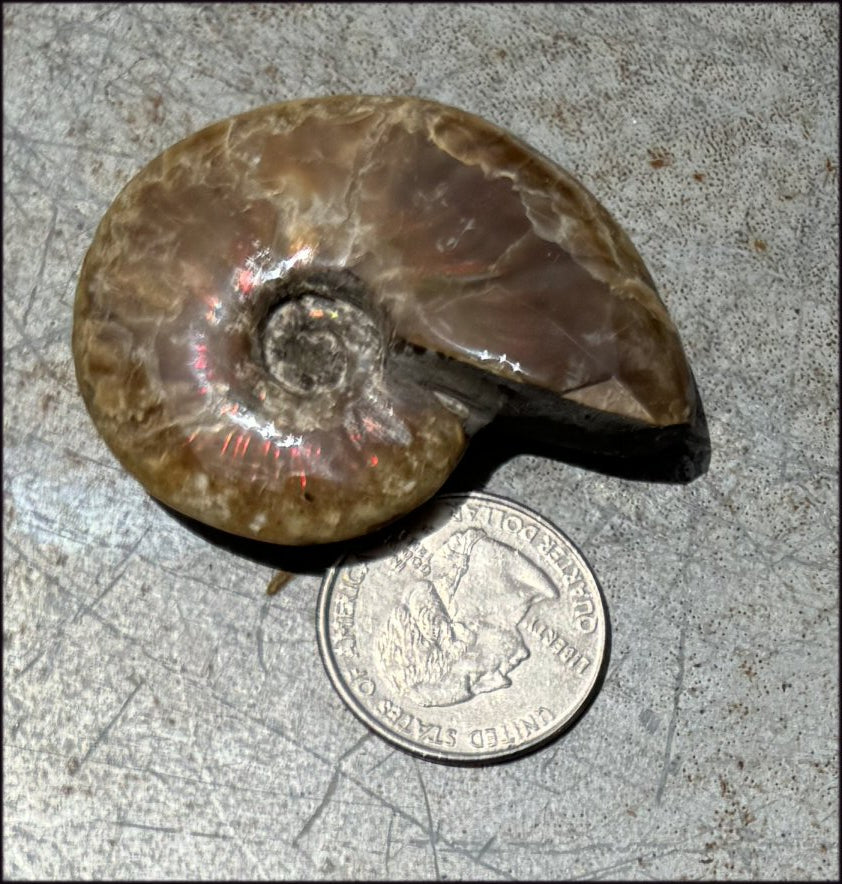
x,y
165,717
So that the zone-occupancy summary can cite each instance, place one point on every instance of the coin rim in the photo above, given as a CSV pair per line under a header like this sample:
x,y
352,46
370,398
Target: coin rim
x,y
443,756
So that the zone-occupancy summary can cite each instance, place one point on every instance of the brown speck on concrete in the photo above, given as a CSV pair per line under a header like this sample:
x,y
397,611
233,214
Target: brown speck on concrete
x,y
153,110
699,176
759,245
278,582
659,158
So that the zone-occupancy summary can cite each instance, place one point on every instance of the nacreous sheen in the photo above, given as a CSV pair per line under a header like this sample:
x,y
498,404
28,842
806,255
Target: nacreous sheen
x,y
289,323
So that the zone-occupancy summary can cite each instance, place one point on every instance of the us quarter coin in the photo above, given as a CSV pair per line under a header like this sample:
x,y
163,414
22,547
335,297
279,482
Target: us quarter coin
x,y
475,634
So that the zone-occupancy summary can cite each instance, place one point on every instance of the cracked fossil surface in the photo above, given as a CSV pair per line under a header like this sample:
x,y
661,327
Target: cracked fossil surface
x,y
289,324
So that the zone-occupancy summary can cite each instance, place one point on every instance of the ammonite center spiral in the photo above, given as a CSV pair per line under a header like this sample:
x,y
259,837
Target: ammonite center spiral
x,y
317,336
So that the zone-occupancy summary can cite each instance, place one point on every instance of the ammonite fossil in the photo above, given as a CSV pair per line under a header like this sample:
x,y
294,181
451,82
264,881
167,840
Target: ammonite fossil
x,y
289,323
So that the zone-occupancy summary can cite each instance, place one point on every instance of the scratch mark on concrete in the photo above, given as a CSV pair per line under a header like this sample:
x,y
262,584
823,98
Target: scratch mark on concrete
x,y
16,134
602,869
31,663
123,824
39,273
264,610
679,684
311,820
486,846
120,570
103,734
99,464
331,788
173,830
387,757
363,786
36,352
431,829
389,841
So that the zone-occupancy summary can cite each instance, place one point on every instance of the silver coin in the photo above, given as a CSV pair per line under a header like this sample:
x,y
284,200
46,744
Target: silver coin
x,y
475,634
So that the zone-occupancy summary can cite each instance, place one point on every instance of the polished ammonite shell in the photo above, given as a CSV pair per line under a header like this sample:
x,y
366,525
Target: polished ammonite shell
x,y
288,323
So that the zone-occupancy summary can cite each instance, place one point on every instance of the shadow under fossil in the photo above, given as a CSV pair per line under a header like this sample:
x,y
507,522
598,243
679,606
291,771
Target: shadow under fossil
x,y
673,455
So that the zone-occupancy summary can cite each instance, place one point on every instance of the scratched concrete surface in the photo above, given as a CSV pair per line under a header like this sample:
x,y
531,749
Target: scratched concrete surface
x,y
164,717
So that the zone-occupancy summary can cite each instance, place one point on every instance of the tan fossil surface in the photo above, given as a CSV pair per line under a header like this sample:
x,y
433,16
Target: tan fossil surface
x,y
239,310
